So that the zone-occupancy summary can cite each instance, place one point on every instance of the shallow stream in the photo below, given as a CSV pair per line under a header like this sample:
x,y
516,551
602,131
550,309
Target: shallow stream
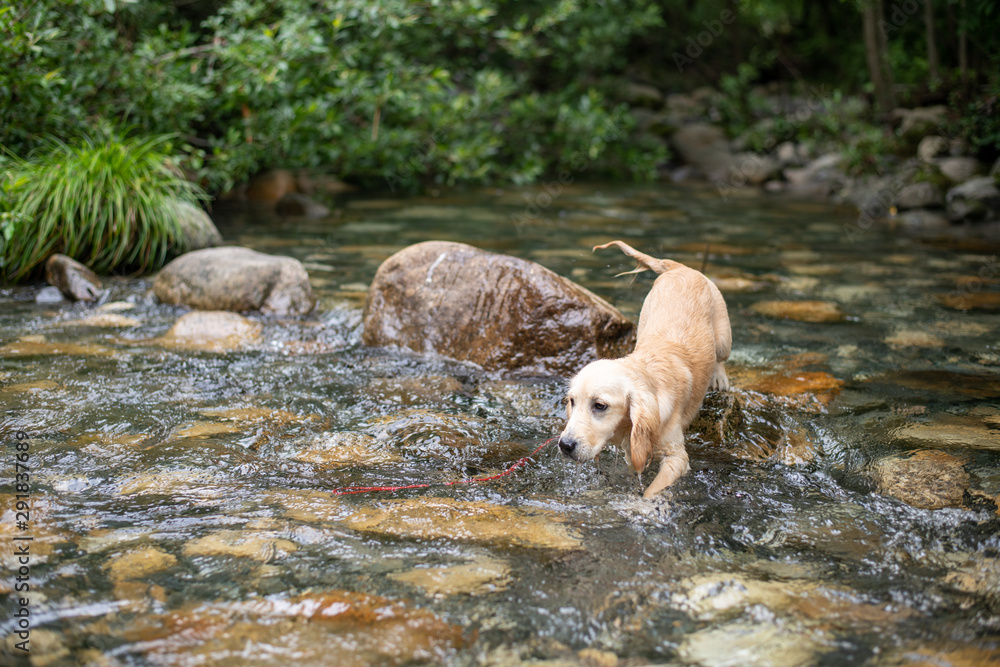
x,y
181,506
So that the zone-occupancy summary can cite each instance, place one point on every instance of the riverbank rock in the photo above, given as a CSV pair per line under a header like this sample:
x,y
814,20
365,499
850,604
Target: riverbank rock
x,y
925,479
270,186
197,227
919,219
501,312
914,124
978,199
931,146
705,147
212,331
820,177
959,169
919,195
295,204
237,279
73,279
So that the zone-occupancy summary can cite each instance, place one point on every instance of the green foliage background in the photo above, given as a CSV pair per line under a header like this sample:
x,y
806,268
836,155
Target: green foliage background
x,y
462,92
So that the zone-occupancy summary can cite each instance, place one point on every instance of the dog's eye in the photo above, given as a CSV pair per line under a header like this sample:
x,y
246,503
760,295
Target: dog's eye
x,y
600,406
570,401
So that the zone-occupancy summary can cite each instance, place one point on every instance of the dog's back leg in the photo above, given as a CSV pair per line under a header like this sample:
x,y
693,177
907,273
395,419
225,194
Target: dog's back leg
x,y
657,265
723,340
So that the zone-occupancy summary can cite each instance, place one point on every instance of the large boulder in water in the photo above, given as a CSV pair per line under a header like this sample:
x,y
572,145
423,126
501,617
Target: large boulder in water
x,y
237,279
501,312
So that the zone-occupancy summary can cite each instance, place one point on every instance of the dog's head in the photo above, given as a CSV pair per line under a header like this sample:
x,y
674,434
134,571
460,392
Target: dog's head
x,y
605,403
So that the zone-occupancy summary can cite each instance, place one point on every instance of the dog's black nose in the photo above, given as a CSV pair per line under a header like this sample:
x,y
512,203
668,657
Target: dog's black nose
x,y
567,445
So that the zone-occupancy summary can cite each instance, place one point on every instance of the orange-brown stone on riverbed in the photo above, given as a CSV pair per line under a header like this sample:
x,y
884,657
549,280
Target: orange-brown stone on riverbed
x,y
334,627
971,300
465,521
800,311
925,479
501,312
427,518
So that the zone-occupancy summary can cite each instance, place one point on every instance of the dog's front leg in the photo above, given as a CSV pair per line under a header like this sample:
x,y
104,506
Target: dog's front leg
x,y
672,465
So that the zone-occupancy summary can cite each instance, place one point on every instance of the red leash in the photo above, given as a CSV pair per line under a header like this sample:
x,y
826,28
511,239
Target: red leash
x,y
350,490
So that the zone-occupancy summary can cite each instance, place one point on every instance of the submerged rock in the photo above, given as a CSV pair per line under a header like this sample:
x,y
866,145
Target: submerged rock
x,y
37,346
465,521
332,627
800,311
914,338
237,279
479,577
924,479
333,450
429,432
139,564
753,428
960,300
497,311
744,644
262,547
104,321
295,204
951,431
73,279
212,331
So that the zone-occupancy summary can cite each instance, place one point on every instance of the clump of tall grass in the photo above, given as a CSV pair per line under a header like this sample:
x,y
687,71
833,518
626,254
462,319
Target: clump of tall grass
x,y
110,203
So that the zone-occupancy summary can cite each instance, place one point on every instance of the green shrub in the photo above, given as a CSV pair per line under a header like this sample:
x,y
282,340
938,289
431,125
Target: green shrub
x,y
111,204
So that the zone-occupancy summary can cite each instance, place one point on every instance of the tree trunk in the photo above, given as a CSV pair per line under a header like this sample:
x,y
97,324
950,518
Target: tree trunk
x,y
933,65
871,13
963,47
883,55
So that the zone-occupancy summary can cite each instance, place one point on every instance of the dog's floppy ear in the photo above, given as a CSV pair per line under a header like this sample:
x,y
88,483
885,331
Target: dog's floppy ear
x,y
644,412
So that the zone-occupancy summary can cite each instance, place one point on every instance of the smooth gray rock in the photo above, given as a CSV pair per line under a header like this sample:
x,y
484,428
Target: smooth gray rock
x,y
197,227
236,279
704,146
919,195
959,169
932,146
978,199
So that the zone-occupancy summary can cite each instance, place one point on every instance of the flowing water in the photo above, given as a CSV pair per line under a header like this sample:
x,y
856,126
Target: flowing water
x,y
181,508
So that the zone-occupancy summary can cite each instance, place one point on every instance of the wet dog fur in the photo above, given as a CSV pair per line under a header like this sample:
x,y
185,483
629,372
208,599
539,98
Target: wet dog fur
x,y
646,400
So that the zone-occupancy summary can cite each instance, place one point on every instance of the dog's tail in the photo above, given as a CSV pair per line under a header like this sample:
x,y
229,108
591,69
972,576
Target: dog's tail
x,y
645,261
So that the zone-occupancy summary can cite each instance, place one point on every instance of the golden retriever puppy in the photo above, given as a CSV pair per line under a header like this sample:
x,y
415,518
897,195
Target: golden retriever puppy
x,y
646,400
